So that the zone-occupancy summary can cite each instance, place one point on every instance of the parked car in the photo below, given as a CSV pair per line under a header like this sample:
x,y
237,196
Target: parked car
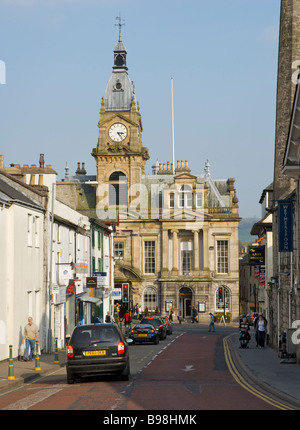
x,y
168,324
97,349
144,333
158,324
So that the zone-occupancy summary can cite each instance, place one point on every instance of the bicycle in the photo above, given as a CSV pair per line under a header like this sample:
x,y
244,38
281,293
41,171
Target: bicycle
x,y
127,328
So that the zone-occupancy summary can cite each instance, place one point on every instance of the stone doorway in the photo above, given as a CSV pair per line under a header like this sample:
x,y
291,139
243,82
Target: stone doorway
x,y
185,302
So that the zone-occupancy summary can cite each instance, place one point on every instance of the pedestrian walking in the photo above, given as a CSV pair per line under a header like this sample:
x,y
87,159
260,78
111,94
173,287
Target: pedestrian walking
x,y
127,321
140,313
260,326
212,322
194,315
31,335
136,311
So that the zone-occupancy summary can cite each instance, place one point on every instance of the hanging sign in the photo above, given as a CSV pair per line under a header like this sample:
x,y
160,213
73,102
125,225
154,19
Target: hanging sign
x,y
262,276
285,227
257,255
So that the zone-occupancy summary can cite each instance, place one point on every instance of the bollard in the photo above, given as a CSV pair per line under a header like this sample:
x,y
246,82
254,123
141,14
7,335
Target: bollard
x,y
56,357
10,364
37,357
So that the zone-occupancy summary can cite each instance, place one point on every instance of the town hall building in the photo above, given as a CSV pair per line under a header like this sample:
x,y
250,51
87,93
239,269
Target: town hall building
x,y
176,239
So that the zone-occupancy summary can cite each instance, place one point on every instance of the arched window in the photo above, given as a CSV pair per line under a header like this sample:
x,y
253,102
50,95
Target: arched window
x,y
185,197
150,299
118,189
221,297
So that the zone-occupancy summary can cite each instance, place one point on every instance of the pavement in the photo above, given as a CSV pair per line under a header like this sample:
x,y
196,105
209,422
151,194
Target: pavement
x,y
263,366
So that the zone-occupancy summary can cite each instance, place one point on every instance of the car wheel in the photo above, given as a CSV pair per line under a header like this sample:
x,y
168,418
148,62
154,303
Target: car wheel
x,y
70,378
124,376
156,342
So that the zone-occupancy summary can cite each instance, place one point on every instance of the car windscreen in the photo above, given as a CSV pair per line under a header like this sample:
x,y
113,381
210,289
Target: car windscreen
x,y
86,336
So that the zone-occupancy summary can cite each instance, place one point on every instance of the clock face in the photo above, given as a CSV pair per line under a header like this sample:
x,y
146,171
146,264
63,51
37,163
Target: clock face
x,y
117,132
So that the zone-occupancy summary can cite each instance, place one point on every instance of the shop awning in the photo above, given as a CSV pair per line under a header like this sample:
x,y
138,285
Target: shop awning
x,y
86,298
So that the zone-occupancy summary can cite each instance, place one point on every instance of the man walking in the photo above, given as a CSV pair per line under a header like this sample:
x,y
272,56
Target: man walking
x,y
31,335
212,322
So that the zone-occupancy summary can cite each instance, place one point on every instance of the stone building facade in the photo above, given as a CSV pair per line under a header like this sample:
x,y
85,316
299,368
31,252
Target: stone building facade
x,y
176,240
281,303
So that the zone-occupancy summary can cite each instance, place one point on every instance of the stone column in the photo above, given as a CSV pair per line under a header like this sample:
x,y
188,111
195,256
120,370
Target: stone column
x,y
205,250
175,252
196,271
165,253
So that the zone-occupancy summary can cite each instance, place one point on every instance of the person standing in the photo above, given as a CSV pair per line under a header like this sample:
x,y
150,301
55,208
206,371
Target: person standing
x,y
31,335
212,322
261,330
108,318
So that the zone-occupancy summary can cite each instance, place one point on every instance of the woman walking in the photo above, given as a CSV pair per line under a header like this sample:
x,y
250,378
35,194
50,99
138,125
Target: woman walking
x,y
261,330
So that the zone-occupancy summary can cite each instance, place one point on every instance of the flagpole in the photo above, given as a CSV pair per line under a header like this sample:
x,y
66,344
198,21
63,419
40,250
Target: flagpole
x,y
173,143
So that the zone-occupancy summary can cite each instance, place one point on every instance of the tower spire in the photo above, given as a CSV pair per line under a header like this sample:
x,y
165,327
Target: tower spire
x,y
118,18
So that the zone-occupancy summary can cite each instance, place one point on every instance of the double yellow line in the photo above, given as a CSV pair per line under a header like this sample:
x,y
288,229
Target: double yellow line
x,y
243,383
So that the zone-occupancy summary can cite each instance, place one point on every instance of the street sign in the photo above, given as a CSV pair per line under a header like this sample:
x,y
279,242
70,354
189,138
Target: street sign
x,y
102,280
91,282
116,293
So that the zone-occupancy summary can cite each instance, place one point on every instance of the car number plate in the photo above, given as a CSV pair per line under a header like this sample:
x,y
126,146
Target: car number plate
x,y
142,334
91,353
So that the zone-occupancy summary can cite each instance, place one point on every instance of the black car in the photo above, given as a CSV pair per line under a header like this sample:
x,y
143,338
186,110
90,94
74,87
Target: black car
x,y
97,349
168,324
158,324
144,333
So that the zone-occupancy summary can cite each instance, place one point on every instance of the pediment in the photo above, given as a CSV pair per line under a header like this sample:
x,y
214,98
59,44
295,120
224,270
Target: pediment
x,y
185,177
186,214
116,118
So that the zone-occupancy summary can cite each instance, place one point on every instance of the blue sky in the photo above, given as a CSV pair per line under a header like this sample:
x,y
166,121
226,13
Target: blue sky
x,y
222,55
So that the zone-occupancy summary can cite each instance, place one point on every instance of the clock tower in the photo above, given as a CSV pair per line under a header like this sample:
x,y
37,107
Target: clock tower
x,y
119,154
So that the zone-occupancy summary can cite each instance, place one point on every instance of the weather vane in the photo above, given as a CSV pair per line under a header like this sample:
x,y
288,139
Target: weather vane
x,y
118,18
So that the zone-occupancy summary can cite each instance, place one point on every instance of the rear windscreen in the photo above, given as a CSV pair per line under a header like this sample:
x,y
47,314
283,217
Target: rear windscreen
x,y
83,337
153,322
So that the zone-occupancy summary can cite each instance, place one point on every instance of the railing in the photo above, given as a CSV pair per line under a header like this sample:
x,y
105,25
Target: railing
x,y
219,211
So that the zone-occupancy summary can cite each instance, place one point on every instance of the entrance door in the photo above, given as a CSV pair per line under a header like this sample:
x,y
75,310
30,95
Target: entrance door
x,y
187,308
185,302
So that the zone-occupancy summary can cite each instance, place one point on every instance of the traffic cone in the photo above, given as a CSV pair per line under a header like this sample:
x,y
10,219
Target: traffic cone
x,y
56,357
37,357
10,364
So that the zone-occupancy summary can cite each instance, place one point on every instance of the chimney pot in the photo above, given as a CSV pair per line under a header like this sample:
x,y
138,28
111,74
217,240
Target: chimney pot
x,y
42,161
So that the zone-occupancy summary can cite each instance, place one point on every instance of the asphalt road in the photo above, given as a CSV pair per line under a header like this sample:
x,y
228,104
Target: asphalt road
x,y
191,370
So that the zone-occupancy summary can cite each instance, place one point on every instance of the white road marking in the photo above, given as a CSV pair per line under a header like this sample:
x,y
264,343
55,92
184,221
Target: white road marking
x,y
33,399
188,368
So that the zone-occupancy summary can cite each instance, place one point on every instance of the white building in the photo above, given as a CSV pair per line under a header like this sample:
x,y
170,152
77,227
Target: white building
x,y
69,259
22,288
